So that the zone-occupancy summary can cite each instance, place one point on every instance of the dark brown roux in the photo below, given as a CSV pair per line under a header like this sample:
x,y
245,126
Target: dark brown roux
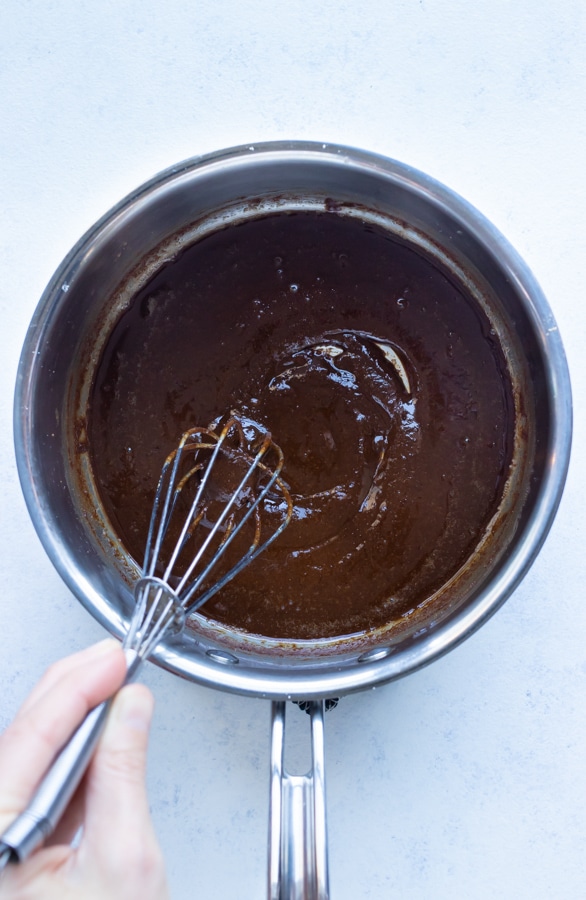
x,y
381,381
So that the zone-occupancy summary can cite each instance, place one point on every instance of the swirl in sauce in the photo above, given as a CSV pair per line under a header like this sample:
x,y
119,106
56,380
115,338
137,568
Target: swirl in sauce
x,y
377,376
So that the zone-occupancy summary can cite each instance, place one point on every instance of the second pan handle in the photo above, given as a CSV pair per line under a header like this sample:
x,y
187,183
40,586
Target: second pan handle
x,y
298,850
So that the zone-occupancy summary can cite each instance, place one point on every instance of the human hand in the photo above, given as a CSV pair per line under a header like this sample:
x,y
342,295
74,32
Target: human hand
x,y
118,856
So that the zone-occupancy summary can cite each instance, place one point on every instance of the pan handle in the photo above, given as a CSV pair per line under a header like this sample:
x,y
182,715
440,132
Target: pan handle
x,y
298,850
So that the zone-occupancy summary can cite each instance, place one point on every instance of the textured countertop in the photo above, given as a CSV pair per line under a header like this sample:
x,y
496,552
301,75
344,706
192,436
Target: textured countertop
x,y
467,779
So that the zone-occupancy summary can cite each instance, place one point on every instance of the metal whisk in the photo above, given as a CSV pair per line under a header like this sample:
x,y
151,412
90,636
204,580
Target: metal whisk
x,y
232,517
219,503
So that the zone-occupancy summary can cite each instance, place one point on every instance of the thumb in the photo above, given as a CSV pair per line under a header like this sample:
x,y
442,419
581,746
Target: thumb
x,y
117,820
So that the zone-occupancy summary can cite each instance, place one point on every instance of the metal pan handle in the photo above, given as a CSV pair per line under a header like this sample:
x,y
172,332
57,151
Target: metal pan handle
x,y
298,850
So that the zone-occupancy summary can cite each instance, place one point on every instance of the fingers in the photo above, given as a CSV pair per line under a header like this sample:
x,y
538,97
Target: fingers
x,y
119,856
48,718
38,877
118,833
63,666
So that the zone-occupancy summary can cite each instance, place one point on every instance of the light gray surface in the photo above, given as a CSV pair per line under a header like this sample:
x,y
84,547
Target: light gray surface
x,y
465,780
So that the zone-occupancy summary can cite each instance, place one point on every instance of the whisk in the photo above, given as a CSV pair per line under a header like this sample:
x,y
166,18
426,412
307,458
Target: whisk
x,y
219,503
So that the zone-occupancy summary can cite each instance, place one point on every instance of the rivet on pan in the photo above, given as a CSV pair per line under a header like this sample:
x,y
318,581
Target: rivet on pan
x,y
375,654
222,656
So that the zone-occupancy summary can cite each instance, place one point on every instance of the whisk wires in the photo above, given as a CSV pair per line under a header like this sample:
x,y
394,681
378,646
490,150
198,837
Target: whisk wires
x,y
234,477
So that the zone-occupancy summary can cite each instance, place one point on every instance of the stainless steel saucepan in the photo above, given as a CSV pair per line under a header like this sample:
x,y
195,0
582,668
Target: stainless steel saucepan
x,y
76,314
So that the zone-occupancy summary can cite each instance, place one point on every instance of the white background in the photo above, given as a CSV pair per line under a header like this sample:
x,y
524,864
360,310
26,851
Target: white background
x,y
467,779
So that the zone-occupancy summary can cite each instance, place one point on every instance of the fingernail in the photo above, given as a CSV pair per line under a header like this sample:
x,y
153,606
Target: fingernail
x,y
134,707
102,648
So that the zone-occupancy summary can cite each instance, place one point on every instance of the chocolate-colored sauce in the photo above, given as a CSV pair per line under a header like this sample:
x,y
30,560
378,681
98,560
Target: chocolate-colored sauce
x,y
378,377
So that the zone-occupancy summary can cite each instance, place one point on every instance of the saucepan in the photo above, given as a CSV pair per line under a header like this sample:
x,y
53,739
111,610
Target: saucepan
x,y
77,312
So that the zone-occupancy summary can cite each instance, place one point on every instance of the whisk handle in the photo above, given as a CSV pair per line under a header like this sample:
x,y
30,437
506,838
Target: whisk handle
x,y
51,798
